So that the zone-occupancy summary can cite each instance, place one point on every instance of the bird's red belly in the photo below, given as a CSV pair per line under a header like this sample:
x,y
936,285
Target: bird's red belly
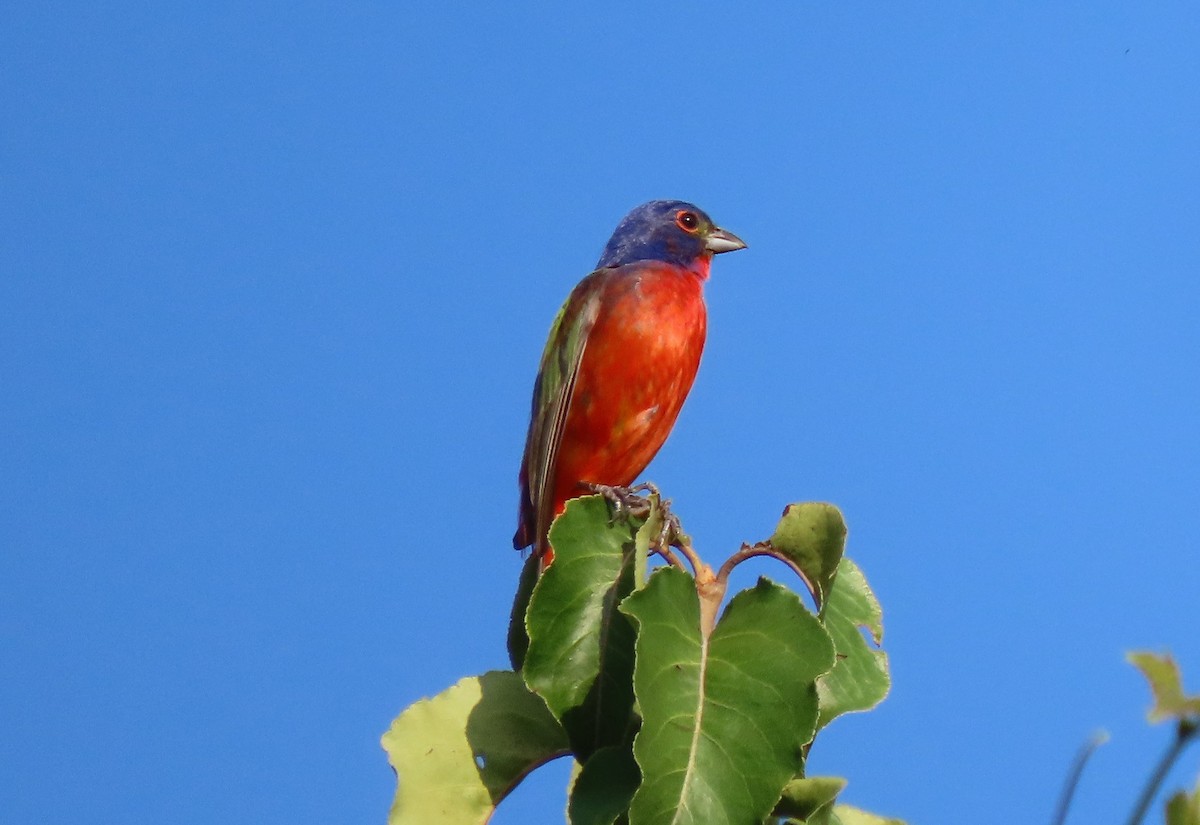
x,y
641,358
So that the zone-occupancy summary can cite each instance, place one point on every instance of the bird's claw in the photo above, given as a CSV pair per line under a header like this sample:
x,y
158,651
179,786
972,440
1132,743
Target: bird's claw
x,y
627,503
672,529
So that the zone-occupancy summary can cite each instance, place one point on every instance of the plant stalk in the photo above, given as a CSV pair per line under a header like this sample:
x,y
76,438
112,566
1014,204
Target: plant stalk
x,y
1184,733
1081,759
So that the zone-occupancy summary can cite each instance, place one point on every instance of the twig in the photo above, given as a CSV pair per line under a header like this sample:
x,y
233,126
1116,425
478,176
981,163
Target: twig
x,y
1081,759
693,558
665,551
1184,733
749,551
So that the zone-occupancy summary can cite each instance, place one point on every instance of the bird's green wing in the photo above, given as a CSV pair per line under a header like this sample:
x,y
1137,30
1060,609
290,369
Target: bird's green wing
x,y
552,394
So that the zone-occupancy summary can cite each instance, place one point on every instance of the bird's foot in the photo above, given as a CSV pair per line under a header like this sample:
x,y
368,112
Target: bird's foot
x,y
670,533
627,502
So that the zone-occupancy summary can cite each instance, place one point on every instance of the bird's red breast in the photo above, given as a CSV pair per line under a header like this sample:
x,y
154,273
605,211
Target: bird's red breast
x,y
640,362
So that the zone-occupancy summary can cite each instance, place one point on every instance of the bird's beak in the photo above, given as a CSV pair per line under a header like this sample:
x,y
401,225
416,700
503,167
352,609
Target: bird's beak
x,y
722,240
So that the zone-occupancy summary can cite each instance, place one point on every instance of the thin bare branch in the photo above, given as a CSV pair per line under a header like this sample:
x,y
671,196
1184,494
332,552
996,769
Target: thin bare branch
x,y
749,551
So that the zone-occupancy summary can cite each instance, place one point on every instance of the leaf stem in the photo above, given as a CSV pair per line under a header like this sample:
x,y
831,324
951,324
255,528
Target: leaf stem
x,y
1184,733
1081,759
711,590
693,558
669,556
749,551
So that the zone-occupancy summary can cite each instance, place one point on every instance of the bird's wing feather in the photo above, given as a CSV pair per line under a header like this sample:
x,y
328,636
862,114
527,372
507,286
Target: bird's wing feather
x,y
552,396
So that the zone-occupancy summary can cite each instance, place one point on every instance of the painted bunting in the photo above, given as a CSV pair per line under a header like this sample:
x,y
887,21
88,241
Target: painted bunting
x,y
622,355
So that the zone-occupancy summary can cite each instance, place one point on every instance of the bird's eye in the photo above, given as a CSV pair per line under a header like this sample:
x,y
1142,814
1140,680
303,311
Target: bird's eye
x,y
687,221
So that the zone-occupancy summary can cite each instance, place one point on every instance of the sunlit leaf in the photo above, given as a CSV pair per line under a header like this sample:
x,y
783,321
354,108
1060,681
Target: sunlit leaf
x,y
1166,686
813,536
849,815
809,799
459,753
859,679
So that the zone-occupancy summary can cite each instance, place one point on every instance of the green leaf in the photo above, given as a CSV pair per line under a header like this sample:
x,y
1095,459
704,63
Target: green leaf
x,y
1166,686
1184,808
461,752
518,638
860,679
813,536
580,657
849,815
604,787
647,535
807,798
724,719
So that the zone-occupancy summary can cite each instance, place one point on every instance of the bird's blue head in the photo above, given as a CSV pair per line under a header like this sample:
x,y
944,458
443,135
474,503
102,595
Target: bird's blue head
x,y
674,232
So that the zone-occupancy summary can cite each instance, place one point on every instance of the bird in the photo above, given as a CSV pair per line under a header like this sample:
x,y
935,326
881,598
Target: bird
x,y
620,360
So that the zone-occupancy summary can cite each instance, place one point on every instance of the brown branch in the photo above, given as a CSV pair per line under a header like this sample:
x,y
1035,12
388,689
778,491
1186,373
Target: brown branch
x,y
665,551
749,551
693,558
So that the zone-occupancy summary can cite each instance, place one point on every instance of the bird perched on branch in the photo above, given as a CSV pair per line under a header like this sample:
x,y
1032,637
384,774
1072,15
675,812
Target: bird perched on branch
x,y
621,358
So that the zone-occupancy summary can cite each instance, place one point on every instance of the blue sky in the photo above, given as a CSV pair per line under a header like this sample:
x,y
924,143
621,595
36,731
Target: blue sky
x,y
273,285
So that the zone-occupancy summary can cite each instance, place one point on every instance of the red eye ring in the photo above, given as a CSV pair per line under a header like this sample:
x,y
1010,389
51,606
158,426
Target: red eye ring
x,y
687,221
